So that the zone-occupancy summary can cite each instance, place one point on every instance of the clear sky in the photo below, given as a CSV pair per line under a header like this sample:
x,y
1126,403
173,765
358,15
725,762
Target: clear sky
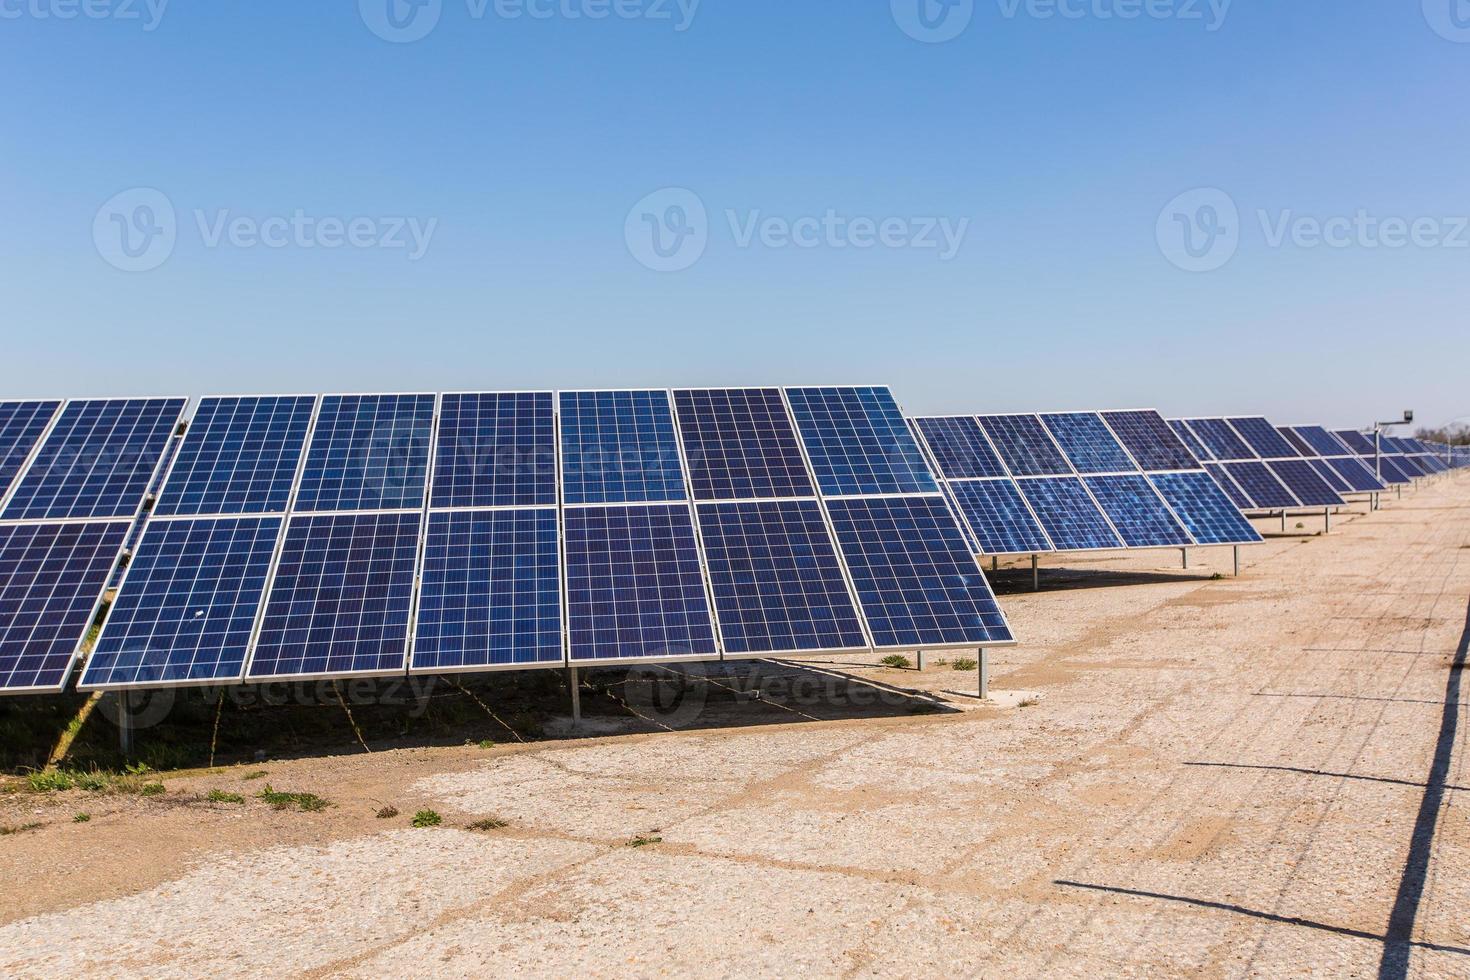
x,y
987,223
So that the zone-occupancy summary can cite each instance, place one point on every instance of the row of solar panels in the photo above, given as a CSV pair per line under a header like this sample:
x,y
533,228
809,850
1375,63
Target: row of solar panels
x,y
304,537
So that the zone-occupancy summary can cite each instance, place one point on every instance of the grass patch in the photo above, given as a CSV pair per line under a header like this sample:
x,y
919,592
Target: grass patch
x,y
50,781
489,823
220,796
641,841
151,789
427,818
896,660
966,663
7,830
387,813
81,818
487,743
1216,577
93,781
306,802
257,774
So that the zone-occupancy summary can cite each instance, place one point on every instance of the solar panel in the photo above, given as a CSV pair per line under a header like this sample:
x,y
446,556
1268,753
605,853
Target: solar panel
x,y
1137,513
368,452
1071,519
1261,485
51,581
1330,476
740,444
21,426
916,580
778,585
188,605
1227,484
98,460
960,447
340,599
634,585
857,441
619,447
1391,470
1224,443
240,456
1204,509
491,592
1190,440
1089,444
1025,445
1357,475
999,517
1356,441
495,449
1149,438
1324,442
1309,488
1262,437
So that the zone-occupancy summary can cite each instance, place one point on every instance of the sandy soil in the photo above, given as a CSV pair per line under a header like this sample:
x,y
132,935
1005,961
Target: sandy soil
x,y
1222,777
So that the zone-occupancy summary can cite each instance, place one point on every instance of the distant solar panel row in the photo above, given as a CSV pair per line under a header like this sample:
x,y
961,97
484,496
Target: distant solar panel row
x,y
1262,467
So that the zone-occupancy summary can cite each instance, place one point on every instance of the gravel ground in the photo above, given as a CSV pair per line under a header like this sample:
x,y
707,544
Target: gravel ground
x,y
1221,777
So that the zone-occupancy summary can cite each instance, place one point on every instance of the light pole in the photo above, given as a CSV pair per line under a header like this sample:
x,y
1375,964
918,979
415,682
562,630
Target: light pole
x,y
1378,428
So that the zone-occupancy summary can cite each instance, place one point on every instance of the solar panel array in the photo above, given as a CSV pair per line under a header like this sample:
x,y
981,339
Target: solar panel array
x,y
1396,460
1077,481
1260,467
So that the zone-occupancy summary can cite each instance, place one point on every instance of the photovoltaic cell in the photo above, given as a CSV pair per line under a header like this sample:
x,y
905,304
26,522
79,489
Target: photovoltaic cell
x,y
1151,441
740,444
1304,482
1390,470
21,427
1088,443
368,452
341,597
1223,441
619,447
858,442
495,449
1302,447
1025,445
1263,438
960,448
51,581
1358,476
188,603
634,585
999,517
1356,441
1264,489
1137,512
98,461
491,592
917,582
240,456
778,585
1205,510
1070,518
1191,440
1222,478
1323,441
1332,478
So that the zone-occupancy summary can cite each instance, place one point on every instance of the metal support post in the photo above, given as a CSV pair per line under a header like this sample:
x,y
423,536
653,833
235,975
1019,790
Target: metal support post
x,y
984,674
1035,574
1237,561
1283,521
1184,552
1327,520
919,658
574,681
125,723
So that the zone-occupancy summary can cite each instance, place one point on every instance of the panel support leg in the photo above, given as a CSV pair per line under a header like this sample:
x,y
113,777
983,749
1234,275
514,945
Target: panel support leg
x,y
994,563
1184,553
574,681
1283,522
919,659
125,723
1237,561
1035,574
1327,520
984,674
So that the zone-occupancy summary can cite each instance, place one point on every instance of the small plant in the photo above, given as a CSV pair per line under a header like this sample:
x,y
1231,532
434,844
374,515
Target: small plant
x,y
1030,702
151,789
1216,577
257,774
966,663
306,802
50,781
1300,525
81,818
641,841
6,830
487,743
93,782
489,823
897,661
427,818
220,796
387,813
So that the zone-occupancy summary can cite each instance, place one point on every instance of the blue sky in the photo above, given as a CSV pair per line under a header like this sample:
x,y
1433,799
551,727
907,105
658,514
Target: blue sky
x,y
519,147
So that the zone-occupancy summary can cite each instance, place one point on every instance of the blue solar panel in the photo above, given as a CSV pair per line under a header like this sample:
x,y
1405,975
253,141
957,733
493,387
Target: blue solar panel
x,y
1223,479
1223,441
1068,514
1357,476
1151,441
960,447
858,442
740,444
778,585
1302,447
1356,441
340,600
21,426
1304,482
98,461
1331,476
1321,440
1186,436
188,604
1088,443
496,449
1263,438
51,582
491,593
619,447
917,581
999,517
1410,465
634,584
1389,469
1264,489
239,457
1137,512
368,452
1025,445
1206,512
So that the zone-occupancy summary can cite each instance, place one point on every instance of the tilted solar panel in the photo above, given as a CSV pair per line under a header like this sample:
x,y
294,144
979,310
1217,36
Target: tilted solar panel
x,y
740,444
1356,441
1263,486
1263,438
619,447
1148,437
51,581
1330,476
1357,475
1025,445
1224,443
1228,484
1192,441
1088,443
1071,519
368,452
858,442
98,460
495,449
1206,512
960,447
1135,510
1302,447
239,456
1323,441
999,518
1305,484
21,426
